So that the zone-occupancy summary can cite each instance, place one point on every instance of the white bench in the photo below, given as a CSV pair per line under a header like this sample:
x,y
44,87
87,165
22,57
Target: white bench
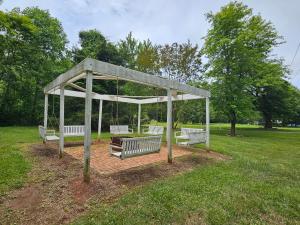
x,y
135,146
154,130
47,135
184,133
193,138
74,130
120,129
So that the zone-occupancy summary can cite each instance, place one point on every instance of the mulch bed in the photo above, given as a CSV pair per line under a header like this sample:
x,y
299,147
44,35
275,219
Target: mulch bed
x,y
56,194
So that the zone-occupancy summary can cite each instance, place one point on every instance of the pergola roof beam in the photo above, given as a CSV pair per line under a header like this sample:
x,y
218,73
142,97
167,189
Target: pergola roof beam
x,y
80,94
96,77
174,98
121,73
115,98
65,77
143,78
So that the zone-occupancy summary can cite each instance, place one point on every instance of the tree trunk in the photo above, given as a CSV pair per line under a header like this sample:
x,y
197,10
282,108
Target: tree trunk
x,y
232,127
232,123
268,123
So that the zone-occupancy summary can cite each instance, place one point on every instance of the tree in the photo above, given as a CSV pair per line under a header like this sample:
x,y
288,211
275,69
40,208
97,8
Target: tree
x,y
147,57
94,45
32,53
293,117
235,45
269,91
181,62
279,102
128,49
15,29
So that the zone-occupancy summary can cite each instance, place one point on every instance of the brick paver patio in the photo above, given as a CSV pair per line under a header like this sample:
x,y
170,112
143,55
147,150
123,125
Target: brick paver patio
x,y
102,162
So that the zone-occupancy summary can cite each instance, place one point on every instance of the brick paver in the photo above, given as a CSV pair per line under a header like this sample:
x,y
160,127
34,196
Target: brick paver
x,y
104,163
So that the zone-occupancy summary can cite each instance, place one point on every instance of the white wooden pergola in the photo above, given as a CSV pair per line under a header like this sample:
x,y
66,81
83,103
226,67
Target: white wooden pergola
x,y
91,69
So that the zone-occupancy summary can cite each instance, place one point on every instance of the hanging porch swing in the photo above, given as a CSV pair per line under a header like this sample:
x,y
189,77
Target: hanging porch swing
x,y
50,134
125,147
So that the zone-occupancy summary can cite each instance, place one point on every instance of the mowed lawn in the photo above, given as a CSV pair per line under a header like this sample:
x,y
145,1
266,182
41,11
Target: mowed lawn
x,y
260,185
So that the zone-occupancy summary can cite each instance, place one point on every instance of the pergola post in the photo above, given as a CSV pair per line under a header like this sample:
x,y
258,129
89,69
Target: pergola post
x,y
139,118
207,122
61,120
100,118
169,125
46,112
87,127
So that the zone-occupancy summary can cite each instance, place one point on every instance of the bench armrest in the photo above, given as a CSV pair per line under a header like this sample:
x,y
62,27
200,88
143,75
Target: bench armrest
x,y
177,133
115,146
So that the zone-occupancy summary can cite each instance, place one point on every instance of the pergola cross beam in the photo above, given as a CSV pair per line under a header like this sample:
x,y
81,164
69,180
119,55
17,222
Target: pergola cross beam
x,y
115,98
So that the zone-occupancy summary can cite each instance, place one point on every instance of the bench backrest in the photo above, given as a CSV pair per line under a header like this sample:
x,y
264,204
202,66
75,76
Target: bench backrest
x,y
74,130
119,129
186,131
140,145
156,129
197,137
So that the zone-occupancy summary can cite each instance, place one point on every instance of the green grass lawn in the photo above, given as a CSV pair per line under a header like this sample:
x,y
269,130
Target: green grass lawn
x,y
260,185
13,163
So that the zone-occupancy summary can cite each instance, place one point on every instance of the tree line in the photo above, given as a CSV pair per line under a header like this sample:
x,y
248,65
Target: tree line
x,y
236,62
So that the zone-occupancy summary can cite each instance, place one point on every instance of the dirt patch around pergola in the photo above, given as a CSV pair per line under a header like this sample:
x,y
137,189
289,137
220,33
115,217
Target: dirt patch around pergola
x,y
56,194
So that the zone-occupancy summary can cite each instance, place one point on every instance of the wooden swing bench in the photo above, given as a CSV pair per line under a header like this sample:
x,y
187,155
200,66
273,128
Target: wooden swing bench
x,y
184,133
69,131
124,147
191,138
154,130
47,135
74,131
120,129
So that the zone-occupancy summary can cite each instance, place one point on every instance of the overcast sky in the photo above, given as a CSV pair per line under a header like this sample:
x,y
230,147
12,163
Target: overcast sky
x,y
166,21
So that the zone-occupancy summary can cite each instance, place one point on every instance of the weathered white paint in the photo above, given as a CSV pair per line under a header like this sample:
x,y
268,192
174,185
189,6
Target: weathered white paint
x,y
76,87
154,130
87,125
73,131
61,120
104,78
107,69
207,122
139,118
80,94
169,125
46,112
120,129
71,74
136,146
174,98
47,135
100,118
